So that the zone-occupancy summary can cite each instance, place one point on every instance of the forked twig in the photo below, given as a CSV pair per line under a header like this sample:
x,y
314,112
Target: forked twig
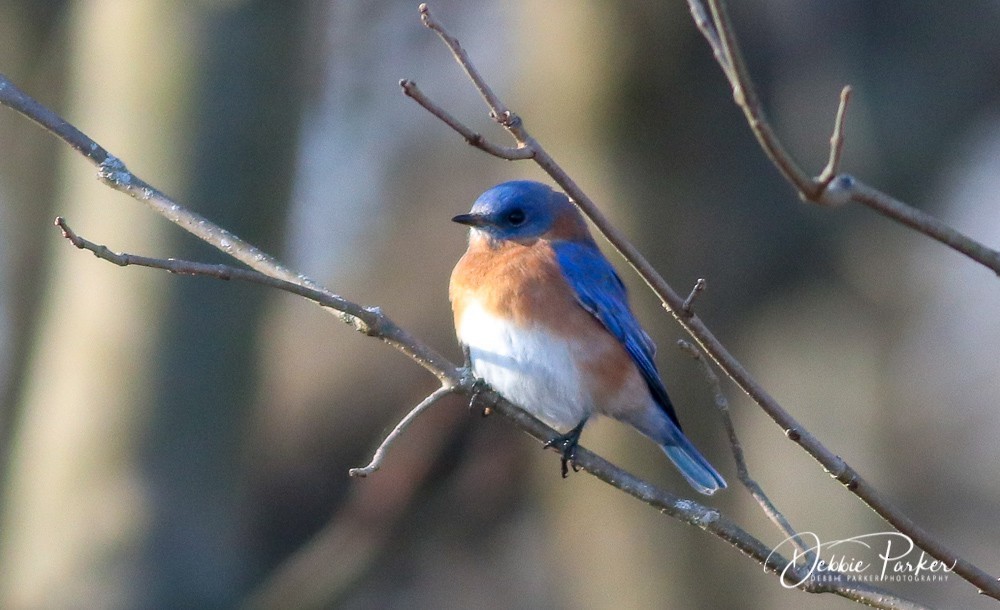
x,y
830,187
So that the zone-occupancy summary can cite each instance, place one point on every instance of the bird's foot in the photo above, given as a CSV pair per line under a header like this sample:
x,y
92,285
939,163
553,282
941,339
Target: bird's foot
x,y
567,444
478,385
478,388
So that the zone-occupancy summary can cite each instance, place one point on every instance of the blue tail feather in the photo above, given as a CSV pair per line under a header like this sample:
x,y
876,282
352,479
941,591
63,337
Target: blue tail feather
x,y
695,468
698,472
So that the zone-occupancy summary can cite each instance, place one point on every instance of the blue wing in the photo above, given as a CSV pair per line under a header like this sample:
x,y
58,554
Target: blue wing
x,y
601,292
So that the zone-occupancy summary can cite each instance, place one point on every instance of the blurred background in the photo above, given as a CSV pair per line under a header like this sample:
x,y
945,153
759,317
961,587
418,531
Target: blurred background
x,y
176,442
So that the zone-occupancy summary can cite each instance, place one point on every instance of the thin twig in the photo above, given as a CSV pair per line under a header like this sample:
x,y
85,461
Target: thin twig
x,y
742,470
688,306
498,110
383,448
920,221
369,321
113,173
707,28
778,518
745,96
829,188
836,140
511,153
364,527
831,462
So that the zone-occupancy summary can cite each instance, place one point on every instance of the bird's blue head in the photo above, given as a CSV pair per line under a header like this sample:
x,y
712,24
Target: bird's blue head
x,y
523,210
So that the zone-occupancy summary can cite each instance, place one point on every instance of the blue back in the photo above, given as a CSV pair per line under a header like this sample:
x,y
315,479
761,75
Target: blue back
x,y
601,292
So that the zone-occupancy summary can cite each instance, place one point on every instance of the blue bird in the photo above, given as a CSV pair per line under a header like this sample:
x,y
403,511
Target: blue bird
x,y
547,323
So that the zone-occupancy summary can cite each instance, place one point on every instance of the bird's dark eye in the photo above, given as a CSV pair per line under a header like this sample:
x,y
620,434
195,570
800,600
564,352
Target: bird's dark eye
x,y
515,217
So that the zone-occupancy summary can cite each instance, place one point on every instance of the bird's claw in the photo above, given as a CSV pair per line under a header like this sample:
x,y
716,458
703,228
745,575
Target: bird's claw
x,y
566,444
567,457
478,388
477,385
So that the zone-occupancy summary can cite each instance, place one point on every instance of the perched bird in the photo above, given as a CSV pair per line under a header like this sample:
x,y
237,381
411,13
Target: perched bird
x,y
546,322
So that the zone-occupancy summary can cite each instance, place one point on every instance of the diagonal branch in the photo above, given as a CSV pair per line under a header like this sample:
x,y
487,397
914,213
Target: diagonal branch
x,y
511,153
742,470
831,462
809,554
498,110
745,96
830,188
113,173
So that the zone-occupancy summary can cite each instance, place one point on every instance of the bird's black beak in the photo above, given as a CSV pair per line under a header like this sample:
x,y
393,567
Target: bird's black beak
x,y
472,220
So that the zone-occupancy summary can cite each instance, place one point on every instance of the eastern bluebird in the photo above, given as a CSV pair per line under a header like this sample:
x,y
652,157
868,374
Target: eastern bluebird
x,y
546,322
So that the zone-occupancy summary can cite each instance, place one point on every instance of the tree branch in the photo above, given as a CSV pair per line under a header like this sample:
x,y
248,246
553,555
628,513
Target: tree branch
x,y
836,140
742,470
744,94
830,188
113,173
456,379
511,153
379,457
757,492
368,321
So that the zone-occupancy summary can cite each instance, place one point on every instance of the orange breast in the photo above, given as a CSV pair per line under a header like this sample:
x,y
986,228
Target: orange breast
x,y
523,283
519,282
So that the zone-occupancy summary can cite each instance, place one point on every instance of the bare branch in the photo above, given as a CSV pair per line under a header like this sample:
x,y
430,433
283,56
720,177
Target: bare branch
x,y
458,380
836,140
920,221
707,28
861,591
827,189
364,527
742,470
745,96
376,461
688,306
511,153
369,321
831,462
498,111
113,173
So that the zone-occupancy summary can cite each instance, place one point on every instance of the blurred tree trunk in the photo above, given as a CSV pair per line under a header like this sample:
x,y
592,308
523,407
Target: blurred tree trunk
x,y
246,114
125,476
77,505
31,55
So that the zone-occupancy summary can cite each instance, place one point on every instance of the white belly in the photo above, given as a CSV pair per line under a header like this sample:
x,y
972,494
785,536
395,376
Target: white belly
x,y
531,367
